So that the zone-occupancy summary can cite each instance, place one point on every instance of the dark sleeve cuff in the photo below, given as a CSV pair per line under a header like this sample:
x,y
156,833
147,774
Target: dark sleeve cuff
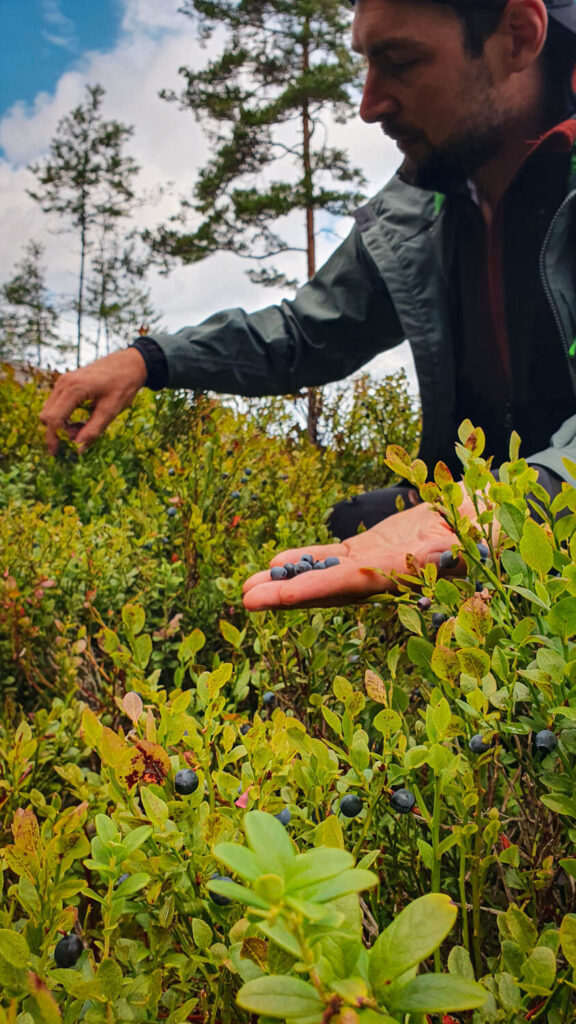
x,y
156,363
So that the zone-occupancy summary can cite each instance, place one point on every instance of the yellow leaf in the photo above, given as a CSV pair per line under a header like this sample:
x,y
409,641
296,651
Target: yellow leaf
x,y
375,687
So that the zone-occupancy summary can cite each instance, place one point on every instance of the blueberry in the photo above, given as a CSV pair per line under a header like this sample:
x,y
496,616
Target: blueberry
x,y
147,546
245,727
121,879
479,586
545,742
437,619
307,558
283,816
350,805
447,560
235,494
331,560
171,471
225,476
220,901
301,567
402,801
483,551
278,572
319,565
424,604
172,511
477,745
67,951
269,699
185,781
290,567
247,471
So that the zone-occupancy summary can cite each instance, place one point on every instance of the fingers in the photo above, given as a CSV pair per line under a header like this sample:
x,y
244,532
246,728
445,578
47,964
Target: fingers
x,y
103,414
330,588
54,415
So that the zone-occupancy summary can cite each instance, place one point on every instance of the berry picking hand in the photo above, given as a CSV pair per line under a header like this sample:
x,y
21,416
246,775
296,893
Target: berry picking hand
x,y
110,385
366,561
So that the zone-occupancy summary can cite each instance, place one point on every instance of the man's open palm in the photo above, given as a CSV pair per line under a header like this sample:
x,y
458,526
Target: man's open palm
x,y
366,563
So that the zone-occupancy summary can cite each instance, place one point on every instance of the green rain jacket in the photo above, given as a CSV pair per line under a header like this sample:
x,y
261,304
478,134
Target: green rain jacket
x,y
383,285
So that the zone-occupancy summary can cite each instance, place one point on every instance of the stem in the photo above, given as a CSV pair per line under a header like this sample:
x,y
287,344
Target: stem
x,y
476,930
462,889
436,858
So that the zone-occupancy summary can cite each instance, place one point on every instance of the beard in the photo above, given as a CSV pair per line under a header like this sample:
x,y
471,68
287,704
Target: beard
x,y
446,166
474,140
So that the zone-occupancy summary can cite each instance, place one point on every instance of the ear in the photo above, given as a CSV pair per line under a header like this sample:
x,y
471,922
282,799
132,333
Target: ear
x,y
522,33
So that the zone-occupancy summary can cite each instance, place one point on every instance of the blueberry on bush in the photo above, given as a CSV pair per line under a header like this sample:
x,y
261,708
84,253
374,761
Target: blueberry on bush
x,y
424,604
186,782
447,560
278,572
283,816
68,951
483,551
437,619
245,727
269,699
545,742
172,511
122,878
402,801
477,744
350,805
235,494
220,901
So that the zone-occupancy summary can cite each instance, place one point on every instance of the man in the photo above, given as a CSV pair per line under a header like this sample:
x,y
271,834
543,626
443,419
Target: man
x,y
466,252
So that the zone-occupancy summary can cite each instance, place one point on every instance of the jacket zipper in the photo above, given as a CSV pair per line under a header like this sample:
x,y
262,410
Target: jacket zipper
x,y
548,290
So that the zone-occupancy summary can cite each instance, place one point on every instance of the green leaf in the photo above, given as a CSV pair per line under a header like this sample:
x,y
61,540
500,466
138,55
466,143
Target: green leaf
x,y
269,840
512,520
521,929
536,548
133,617
156,809
562,617
238,892
131,885
240,860
14,948
459,963
142,649
201,932
354,880
135,839
282,997
331,719
568,938
317,866
410,938
438,993
109,979
106,829
539,971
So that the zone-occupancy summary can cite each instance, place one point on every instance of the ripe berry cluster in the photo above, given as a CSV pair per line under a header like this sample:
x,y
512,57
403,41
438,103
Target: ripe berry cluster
x,y
305,564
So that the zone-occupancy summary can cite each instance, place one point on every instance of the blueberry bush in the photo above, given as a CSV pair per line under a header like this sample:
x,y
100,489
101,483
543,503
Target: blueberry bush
x,y
363,815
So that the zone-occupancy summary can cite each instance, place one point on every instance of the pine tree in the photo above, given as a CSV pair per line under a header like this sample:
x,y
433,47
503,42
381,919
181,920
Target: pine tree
x,y
87,179
28,317
284,70
115,294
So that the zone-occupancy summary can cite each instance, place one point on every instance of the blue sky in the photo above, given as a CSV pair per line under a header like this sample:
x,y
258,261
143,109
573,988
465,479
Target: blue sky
x,y
41,39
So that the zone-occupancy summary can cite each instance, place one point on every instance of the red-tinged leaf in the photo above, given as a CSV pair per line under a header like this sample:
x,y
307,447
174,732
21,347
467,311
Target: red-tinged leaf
x,y
26,830
132,706
145,763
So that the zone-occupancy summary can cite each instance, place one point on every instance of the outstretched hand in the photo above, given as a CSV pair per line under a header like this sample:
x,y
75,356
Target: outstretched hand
x,y
367,563
109,385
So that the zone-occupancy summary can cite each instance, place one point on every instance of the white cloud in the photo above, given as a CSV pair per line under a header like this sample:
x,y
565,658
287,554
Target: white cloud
x,y
61,31
169,146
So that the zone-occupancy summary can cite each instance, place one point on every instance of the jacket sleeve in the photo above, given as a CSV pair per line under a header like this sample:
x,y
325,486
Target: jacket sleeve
x,y
337,322
562,446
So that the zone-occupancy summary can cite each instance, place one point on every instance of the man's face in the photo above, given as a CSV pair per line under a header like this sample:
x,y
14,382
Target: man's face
x,y
441,105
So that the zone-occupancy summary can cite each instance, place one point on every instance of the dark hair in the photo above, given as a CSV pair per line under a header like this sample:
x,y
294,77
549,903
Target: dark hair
x,y
480,19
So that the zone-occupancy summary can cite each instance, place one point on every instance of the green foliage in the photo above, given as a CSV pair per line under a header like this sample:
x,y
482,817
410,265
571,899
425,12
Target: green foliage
x,y
126,659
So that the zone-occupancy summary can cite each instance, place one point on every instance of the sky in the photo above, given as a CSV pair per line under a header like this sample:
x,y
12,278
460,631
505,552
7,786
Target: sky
x,y
50,51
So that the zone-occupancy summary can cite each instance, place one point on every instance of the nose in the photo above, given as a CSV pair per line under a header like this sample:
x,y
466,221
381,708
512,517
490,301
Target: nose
x,y
378,102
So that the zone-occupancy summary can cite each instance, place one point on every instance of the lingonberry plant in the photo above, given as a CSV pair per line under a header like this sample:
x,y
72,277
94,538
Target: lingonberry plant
x,y
363,816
